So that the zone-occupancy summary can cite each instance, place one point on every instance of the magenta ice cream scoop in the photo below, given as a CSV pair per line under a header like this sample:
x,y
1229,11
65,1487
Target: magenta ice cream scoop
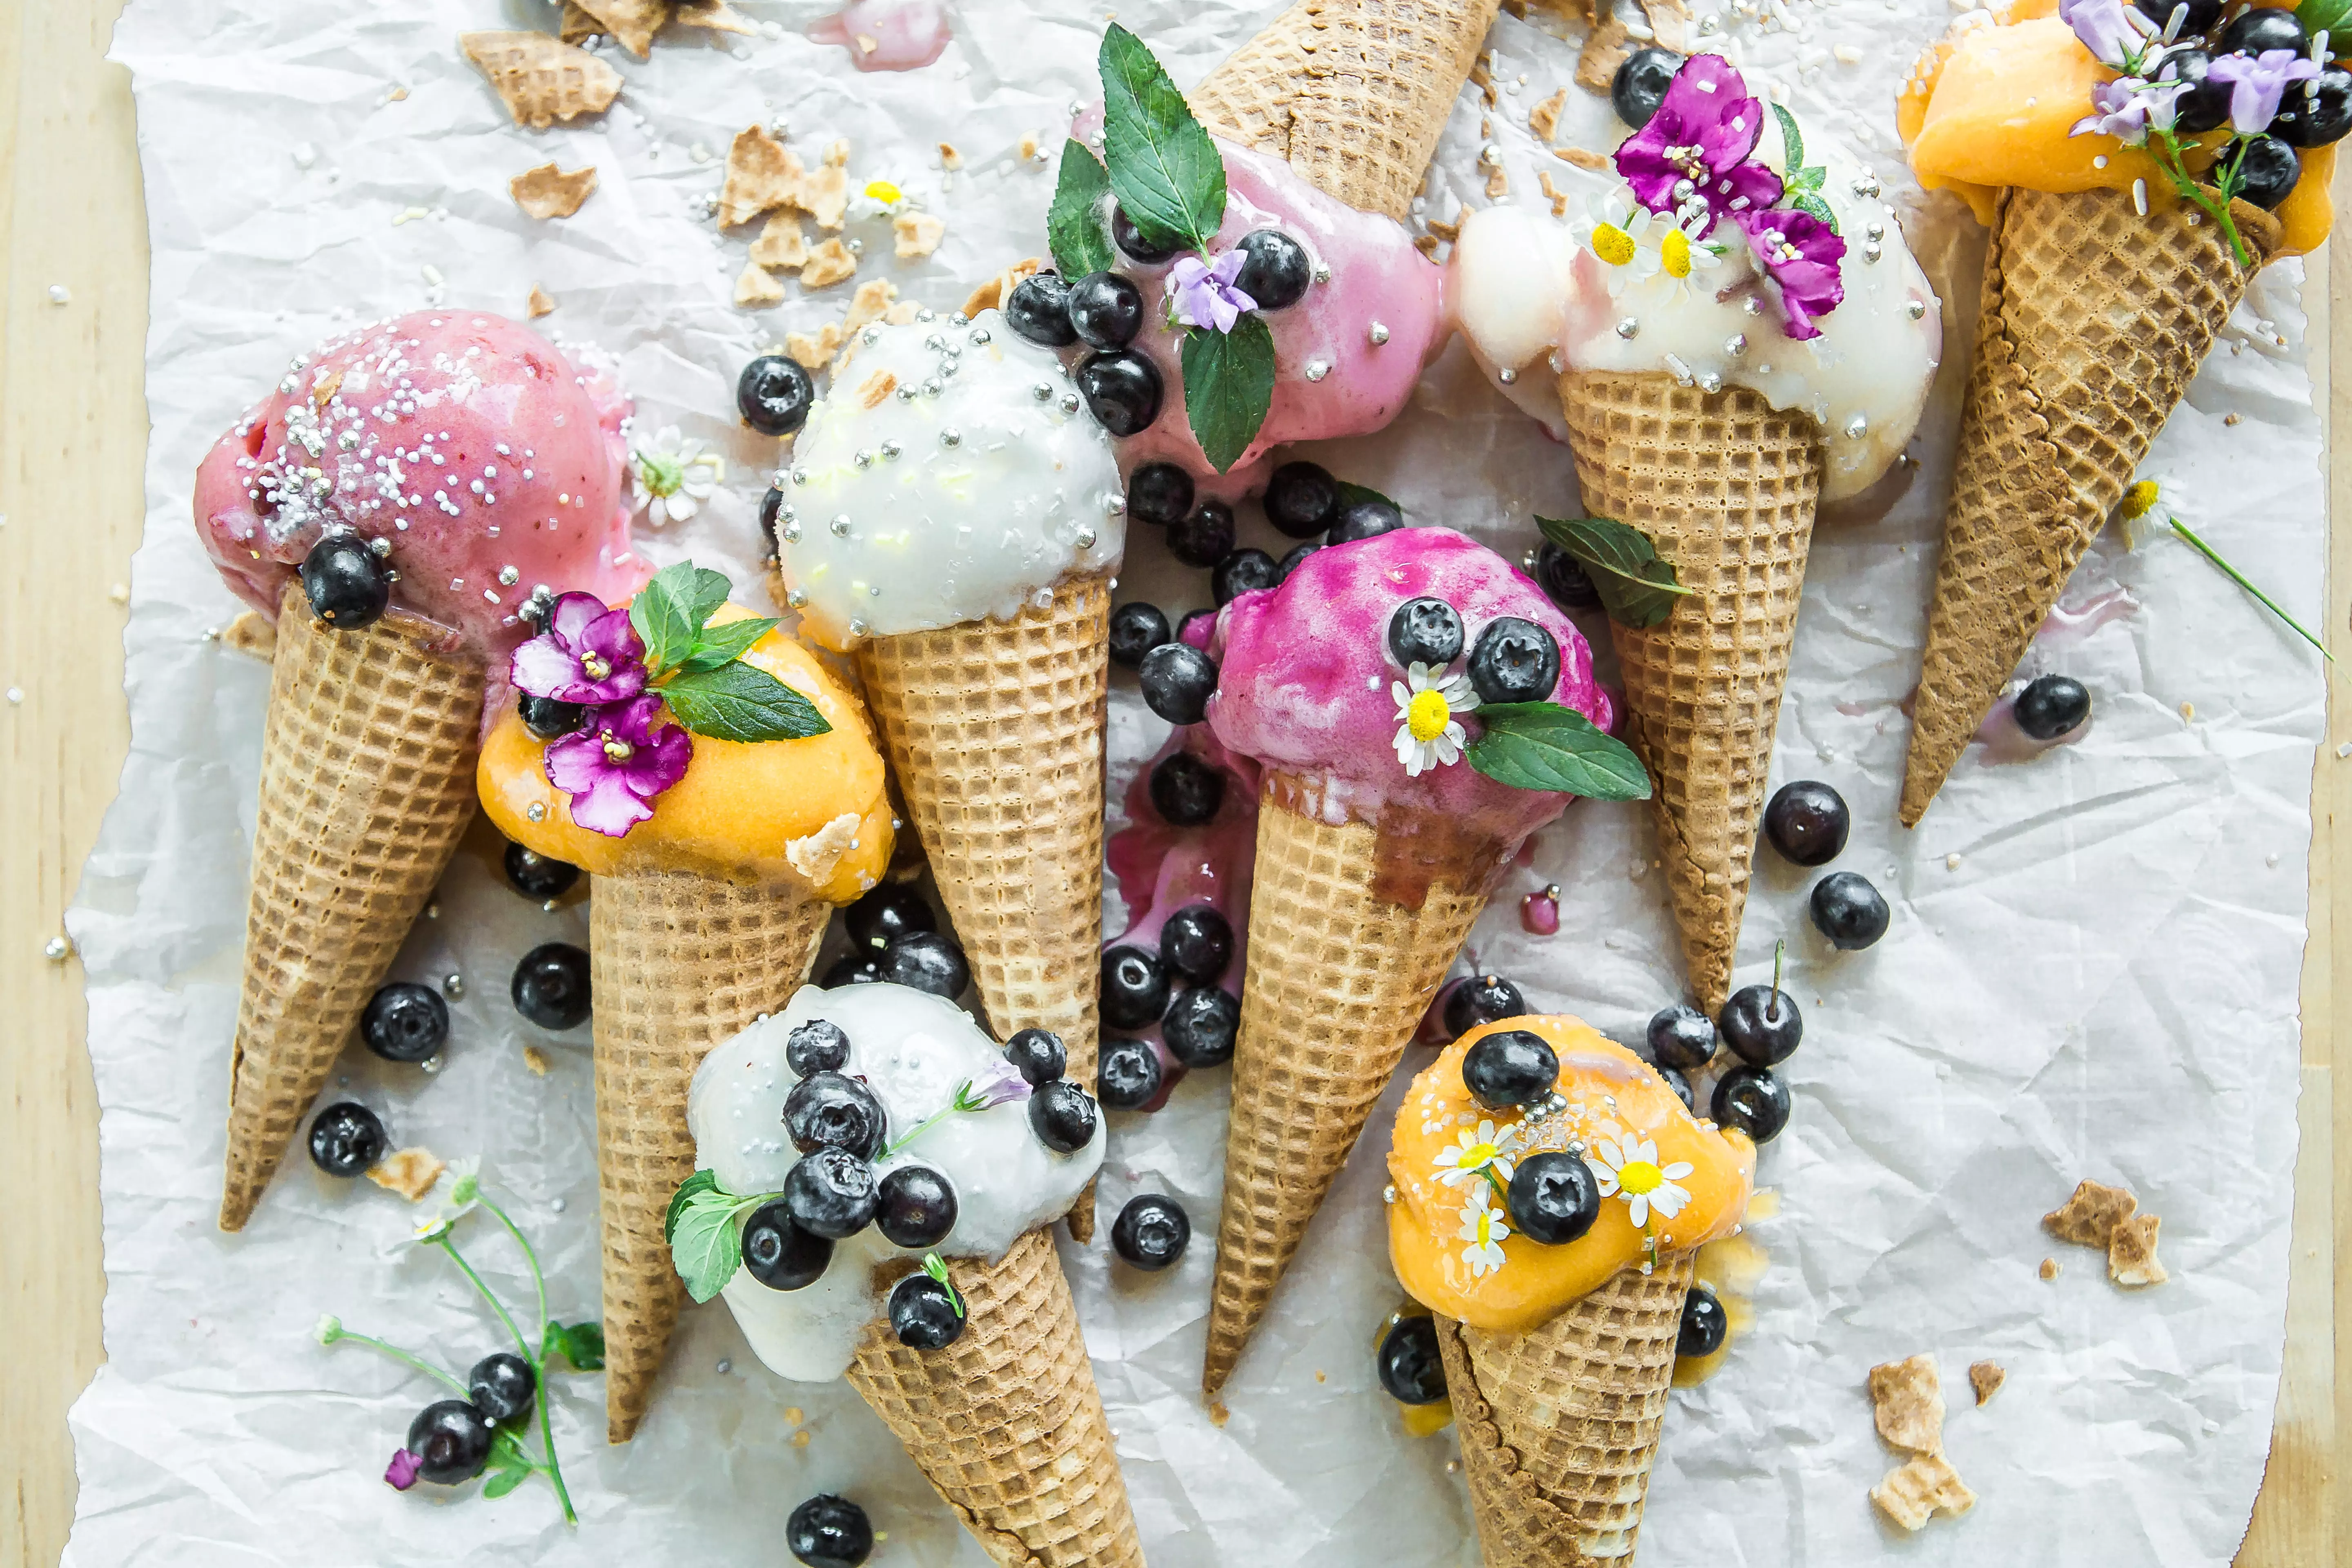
x,y
490,461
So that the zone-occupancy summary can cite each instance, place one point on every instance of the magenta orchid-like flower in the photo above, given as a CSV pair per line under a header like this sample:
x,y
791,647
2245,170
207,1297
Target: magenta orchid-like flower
x,y
588,655
1203,293
1693,153
617,764
401,1474
2115,31
1800,253
2257,82
2127,109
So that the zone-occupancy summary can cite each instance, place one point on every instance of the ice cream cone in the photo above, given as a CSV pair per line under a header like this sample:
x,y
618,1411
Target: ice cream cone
x,y
1560,1426
1352,93
367,772
679,962
1725,486
542,79
1006,1422
2093,320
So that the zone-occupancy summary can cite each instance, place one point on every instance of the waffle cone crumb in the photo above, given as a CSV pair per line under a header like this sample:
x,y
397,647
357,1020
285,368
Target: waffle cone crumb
x,y
2089,1217
1918,1490
1907,1403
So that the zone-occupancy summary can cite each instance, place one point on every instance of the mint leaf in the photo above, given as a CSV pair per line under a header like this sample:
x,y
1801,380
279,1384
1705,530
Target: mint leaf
x,y
703,1245
737,702
1807,203
715,646
1164,170
1350,495
1807,180
2318,15
1542,745
662,615
582,1345
504,1481
1074,225
1637,589
701,1181
1228,386
1792,141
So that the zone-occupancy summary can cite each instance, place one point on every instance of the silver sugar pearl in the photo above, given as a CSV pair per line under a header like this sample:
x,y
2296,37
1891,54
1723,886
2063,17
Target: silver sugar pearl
x,y
1857,428
873,590
1872,252
931,388
1377,333
958,319
950,436
1507,376
1752,305
906,395
861,459
537,812
1628,327
1917,309
927,314
1086,538
508,576
870,336
795,598
453,986
379,548
1317,369
1115,505
856,247
1490,154
800,475
857,627
1709,382
841,526
1875,231
979,337
1322,273
1069,402
432,1064
935,342
1043,392
1736,344
790,533
892,449
56,949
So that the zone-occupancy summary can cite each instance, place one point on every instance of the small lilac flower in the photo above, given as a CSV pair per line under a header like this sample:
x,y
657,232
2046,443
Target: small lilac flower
x,y
2127,109
588,654
1802,254
401,1474
1695,151
612,767
999,1084
2257,82
1203,293
2114,31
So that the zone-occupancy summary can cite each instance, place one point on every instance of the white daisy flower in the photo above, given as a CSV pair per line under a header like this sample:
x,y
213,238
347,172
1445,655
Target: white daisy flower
x,y
881,198
1428,735
1477,1153
2144,511
1684,260
1484,1227
1624,236
458,1190
672,477
1631,1168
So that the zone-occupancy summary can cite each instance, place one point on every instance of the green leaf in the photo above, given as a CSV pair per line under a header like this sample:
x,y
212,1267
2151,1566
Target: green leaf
x,y
1542,745
2327,16
936,1266
1164,170
703,1245
504,1481
737,702
1807,203
1792,141
715,646
1808,179
704,1181
1074,225
1228,386
663,614
1638,589
1350,495
582,1345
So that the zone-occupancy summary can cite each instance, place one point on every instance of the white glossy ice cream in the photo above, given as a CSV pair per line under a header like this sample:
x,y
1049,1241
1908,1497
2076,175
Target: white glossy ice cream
x,y
913,1050
948,474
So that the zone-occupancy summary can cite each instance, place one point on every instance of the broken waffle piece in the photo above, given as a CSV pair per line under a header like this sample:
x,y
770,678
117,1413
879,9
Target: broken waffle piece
x,y
2049,1268
1907,1402
2131,1252
536,1060
411,1172
546,192
577,27
714,15
918,234
2090,1217
822,192
827,265
993,294
761,174
870,303
252,634
782,244
1985,1377
542,79
756,287
631,23
539,303
813,353
1921,1486
1544,117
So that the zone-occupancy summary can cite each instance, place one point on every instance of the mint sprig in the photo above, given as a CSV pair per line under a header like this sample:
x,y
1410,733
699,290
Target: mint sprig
x,y
2323,15
1637,587
737,702
704,1246
1228,387
698,670
1073,224
1164,170
1543,745
1801,187
936,1266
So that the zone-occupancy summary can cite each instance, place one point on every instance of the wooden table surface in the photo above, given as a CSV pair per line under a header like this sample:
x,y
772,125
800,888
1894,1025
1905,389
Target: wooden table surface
x,y
73,431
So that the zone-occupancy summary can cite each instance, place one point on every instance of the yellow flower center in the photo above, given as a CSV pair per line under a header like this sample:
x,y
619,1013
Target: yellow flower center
x,y
1674,252
1612,244
882,191
596,665
1476,1155
1639,1177
1486,1227
616,748
1427,715
2138,499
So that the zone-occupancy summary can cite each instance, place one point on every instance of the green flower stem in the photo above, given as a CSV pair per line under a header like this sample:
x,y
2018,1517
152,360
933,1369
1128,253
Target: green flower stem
x,y
2167,153
2239,577
553,1469
538,1280
933,1120
396,1353
446,1244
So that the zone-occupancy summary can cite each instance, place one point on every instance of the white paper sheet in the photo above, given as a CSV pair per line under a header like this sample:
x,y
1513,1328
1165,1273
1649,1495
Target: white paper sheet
x,y
2091,970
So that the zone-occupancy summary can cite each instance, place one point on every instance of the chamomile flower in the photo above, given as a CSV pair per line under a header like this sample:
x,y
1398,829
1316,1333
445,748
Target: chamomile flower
x,y
1631,1169
458,1190
1478,1154
1684,260
672,477
1623,234
2144,511
1484,1227
881,198
1428,734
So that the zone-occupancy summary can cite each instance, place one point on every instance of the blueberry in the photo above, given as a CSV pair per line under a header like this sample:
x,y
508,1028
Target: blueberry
x,y
918,1207
1302,500
1553,1198
1128,1075
1150,1232
828,1531
1704,1326
452,1441
346,1139
2263,29
926,960
772,505
1510,1068
1106,310
2202,14
1159,493
1807,822
1410,1367
1640,84
1426,631
2205,105
1197,942
1291,561
853,968
1564,580
885,912
348,586
1134,988
548,719
1366,519
1240,571
1135,628
1038,1056
1480,999
2052,705
1681,1036
2309,118
831,1193
1204,536
2268,171
1675,1079
1063,1116
405,1022
1200,1025
1277,274
1122,390
779,1254
538,876
1752,1099
923,1315
1761,1025
1039,310
1848,910
1137,244
551,987
774,395
503,1386
1515,660
1186,790
832,1110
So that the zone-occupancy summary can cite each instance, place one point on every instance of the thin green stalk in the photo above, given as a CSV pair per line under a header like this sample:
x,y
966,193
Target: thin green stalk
x,y
396,1353
446,1244
2239,577
553,1469
538,1280
2167,148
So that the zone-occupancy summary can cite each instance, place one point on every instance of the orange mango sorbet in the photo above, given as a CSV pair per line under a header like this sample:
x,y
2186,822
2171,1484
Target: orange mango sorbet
x,y
1628,1125
811,811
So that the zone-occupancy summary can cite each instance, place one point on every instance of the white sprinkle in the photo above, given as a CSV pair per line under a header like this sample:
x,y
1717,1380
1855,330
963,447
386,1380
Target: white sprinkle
x,y
16,694
56,949
2139,197
408,215
1952,861
60,294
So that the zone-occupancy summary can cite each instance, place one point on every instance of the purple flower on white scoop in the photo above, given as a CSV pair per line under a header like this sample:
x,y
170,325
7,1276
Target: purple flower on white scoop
x,y
588,655
401,1474
1800,253
2127,109
999,1083
1203,294
2257,82
2115,31
1694,150
617,764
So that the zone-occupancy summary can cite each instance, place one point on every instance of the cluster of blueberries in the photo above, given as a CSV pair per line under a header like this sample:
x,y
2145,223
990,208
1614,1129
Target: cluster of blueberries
x,y
2311,114
1176,988
1303,502
451,1438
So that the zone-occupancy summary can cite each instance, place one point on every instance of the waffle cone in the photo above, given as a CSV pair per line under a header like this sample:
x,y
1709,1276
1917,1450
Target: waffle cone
x,y
1006,1422
1339,975
367,770
1725,486
2093,320
678,963
542,79
1352,93
1560,1426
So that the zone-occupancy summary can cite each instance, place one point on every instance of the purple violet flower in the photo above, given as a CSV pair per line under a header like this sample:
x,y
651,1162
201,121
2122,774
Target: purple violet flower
x,y
588,654
2257,82
1203,293
617,764
2115,31
1801,255
1001,1084
1694,150
401,1474
2127,109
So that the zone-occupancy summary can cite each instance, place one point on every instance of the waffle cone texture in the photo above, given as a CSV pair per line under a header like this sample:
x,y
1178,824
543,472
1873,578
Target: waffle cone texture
x,y
1560,1426
1726,487
1338,978
2093,322
678,963
1006,1423
1351,93
367,768
542,79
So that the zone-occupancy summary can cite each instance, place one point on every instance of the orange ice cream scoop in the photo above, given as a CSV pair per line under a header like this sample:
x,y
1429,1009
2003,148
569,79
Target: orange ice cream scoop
x,y
811,810
1668,1182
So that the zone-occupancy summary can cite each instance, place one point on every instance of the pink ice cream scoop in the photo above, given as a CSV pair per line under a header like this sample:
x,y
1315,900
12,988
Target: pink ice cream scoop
x,y
491,462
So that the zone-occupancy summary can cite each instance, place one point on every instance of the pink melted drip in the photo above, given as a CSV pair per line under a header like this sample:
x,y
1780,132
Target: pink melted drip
x,y
1539,913
2069,625
904,35
2003,742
